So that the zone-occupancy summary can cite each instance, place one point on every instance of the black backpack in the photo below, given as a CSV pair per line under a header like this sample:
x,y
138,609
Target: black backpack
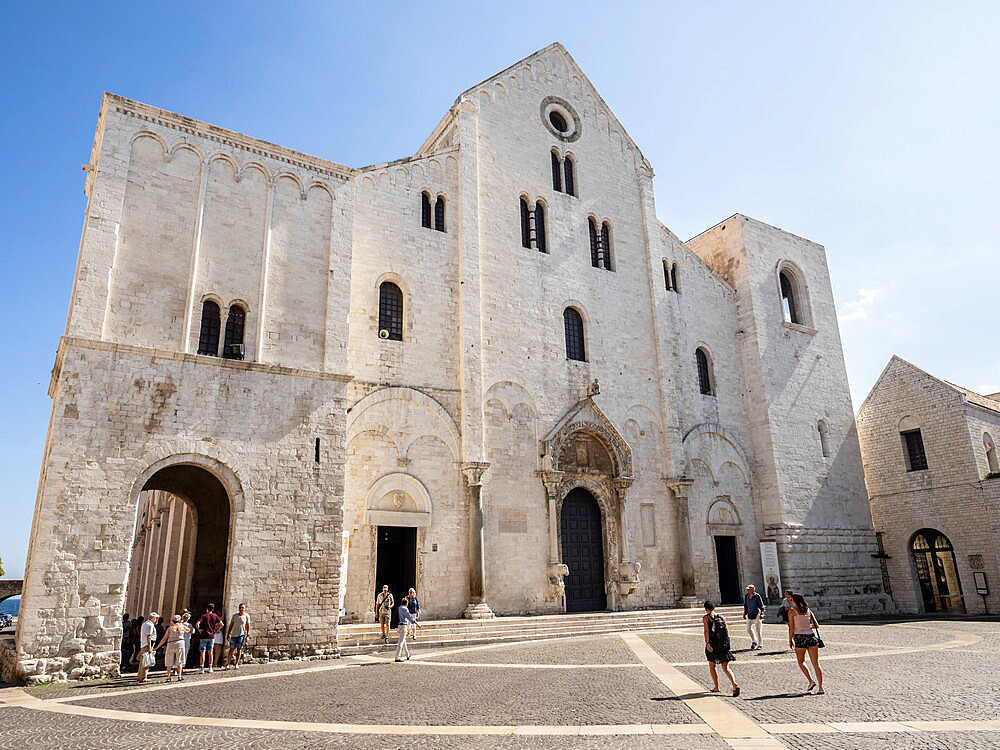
x,y
718,633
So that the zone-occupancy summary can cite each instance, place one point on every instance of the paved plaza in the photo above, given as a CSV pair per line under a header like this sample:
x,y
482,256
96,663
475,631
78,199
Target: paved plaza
x,y
892,683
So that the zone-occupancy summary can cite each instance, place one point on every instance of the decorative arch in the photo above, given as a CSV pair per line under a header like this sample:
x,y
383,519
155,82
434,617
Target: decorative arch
x,y
398,499
712,431
722,512
447,429
224,157
154,136
294,178
908,423
217,461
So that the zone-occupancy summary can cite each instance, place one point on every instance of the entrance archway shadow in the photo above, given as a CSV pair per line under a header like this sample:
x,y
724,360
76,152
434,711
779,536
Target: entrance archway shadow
x,y
171,561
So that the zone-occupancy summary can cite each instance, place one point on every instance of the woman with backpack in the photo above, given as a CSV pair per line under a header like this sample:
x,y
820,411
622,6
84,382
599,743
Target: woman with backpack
x,y
717,647
803,636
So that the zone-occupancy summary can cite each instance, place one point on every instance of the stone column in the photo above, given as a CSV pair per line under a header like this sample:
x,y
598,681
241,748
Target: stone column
x,y
478,609
557,570
679,486
628,569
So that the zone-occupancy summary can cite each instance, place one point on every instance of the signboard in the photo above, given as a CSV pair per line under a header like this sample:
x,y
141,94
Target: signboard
x,y
772,576
344,549
981,588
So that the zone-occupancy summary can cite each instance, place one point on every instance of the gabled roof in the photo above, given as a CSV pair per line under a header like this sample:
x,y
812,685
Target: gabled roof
x,y
561,50
969,396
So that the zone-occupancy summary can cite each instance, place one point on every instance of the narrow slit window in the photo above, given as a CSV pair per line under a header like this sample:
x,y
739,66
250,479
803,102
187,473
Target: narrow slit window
x,y
595,251
390,311
666,276
823,439
568,170
439,214
540,244
525,224
425,210
556,172
704,373
317,450
606,245
573,323
211,323
232,347
675,280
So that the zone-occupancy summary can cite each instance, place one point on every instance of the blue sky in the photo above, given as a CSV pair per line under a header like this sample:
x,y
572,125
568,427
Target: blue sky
x,y
868,127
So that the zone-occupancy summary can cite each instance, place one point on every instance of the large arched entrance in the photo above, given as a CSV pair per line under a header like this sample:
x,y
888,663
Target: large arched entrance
x,y
181,543
934,558
582,541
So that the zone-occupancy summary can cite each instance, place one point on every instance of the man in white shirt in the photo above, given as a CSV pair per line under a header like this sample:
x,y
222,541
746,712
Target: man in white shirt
x,y
147,636
239,629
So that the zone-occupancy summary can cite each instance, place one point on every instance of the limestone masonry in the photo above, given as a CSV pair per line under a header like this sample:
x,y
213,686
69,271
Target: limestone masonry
x,y
486,371
930,458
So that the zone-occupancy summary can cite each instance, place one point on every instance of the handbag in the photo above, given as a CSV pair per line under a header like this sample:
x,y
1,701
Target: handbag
x,y
819,638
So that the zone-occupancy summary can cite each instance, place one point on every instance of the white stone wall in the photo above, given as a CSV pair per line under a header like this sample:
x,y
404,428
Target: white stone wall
x,y
181,212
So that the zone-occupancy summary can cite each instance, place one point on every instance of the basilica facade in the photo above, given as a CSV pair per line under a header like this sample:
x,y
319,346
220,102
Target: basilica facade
x,y
486,370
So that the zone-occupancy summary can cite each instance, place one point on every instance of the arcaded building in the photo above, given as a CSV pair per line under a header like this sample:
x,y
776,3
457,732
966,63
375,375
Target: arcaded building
x,y
486,370
930,457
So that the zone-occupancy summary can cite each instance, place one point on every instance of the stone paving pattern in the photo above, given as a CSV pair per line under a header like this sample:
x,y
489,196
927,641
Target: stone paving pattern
x,y
424,694
597,650
929,684
21,728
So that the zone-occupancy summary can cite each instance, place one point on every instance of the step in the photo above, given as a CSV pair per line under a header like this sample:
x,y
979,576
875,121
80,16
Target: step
x,y
365,637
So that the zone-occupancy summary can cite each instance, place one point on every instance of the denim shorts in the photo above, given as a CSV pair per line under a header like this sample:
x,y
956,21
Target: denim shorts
x,y
206,644
237,641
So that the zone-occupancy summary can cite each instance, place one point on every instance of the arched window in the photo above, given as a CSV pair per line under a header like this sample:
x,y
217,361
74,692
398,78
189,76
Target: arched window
x,y
556,173
568,168
439,213
675,278
788,307
211,322
666,276
539,214
991,453
425,210
525,224
573,323
595,251
390,311
606,246
232,345
823,442
705,379
912,441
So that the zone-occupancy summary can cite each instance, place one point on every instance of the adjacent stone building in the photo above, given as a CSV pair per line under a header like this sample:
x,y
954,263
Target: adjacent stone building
x,y
930,458
486,370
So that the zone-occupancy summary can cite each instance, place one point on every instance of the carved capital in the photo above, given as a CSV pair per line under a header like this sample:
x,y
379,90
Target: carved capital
x,y
621,486
679,486
551,480
474,471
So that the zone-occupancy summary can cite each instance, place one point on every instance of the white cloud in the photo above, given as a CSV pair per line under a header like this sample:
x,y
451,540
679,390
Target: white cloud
x,y
857,309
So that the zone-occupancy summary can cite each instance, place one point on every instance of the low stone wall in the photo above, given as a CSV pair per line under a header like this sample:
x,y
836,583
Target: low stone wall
x,y
10,673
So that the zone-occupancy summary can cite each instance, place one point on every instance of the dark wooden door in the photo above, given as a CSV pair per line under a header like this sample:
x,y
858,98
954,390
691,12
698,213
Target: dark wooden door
x,y
583,552
395,561
729,570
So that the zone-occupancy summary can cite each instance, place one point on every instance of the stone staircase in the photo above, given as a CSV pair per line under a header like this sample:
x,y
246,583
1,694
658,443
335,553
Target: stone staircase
x,y
365,638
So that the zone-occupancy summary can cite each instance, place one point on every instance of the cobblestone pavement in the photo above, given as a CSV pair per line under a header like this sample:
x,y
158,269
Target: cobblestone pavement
x,y
875,671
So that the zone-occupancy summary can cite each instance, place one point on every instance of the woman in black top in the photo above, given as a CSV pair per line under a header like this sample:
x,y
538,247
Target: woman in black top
x,y
717,647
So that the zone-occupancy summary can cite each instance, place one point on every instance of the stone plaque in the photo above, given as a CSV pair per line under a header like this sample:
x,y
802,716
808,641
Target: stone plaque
x,y
511,521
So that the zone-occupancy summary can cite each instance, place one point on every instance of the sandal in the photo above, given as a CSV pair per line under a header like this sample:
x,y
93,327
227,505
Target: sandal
x,y
714,690
736,691
820,692
811,686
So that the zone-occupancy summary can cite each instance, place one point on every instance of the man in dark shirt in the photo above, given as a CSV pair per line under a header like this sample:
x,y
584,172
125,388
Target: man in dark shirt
x,y
753,613
207,625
